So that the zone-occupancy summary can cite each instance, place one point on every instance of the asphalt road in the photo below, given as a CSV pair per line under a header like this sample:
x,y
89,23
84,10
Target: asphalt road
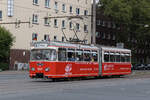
x,y
18,86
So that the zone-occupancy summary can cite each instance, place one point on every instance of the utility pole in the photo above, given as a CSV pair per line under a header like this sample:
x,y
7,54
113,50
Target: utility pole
x,y
94,23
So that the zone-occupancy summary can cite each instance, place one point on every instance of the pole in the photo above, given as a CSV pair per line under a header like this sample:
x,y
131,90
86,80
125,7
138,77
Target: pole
x,y
94,23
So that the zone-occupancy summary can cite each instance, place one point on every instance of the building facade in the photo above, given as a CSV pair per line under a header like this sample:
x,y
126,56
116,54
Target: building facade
x,y
106,34
106,30
36,20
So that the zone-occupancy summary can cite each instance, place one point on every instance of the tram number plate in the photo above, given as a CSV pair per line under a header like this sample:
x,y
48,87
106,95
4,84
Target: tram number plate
x,y
39,69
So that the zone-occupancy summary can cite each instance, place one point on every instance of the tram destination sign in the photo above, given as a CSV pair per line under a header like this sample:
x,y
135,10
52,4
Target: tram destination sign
x,y
41,45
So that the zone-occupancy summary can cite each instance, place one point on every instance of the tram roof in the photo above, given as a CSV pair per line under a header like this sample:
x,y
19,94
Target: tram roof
x,y
43,44
115,49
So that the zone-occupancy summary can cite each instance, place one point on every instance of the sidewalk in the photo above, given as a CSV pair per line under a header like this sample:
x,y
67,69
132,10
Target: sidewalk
x,y
13,72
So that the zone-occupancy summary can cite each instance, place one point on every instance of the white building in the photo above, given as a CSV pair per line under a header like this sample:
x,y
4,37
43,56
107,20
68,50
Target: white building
x,y
30,20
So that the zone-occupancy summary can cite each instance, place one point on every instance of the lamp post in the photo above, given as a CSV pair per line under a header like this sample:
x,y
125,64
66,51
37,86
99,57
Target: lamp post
x,y
94,23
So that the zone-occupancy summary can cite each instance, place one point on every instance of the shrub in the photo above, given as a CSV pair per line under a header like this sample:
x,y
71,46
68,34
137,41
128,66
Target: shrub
x,y
6,41
4,66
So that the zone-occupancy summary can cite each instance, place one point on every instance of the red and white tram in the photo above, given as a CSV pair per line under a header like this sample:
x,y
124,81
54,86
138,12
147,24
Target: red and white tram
x,y
60,60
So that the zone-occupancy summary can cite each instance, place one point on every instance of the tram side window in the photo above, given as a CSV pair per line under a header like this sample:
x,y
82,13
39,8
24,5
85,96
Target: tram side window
x,y
122,58
62,54
71,54
87,55
94,56
79,55
127,57
118,57
112,57
106,57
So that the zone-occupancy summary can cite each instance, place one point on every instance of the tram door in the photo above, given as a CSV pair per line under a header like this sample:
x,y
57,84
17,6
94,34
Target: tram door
x,y
100,61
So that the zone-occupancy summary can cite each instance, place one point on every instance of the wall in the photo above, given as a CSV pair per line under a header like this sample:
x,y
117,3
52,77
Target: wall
x,y
23,11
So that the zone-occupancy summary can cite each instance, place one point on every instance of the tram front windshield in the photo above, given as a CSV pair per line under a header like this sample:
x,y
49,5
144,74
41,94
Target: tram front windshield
x,y
41,54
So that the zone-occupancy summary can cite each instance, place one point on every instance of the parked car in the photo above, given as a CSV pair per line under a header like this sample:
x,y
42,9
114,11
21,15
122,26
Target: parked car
x,y
147,66
139,67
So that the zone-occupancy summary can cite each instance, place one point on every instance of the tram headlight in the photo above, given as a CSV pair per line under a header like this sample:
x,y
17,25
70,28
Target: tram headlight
x,y
47,69
33,69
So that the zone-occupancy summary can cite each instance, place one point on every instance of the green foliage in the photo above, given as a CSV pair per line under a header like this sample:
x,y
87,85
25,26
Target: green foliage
x,y
6,41
132,14
4,66
118,10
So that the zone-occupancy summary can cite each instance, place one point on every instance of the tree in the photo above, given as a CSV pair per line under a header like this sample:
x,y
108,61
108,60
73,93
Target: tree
x,y
134,17
132,14
6,41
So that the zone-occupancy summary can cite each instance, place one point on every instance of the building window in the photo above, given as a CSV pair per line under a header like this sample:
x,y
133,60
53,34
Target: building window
x,y
86,2
63,39
35,2
108,36
98,34
77,11
63,7
34,36
70,25
63,23
98,22
118,28
109,24
85,12
103,35
46,38
114,37
55,38
46,21
55,23
47,3
10,8
35,19
70,9
86,28
113,25
0,15
103,23
56,6
77,26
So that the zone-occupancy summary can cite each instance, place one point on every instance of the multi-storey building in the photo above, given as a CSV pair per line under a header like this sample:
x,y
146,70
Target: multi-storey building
x,y
30,20
106,34
106,30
